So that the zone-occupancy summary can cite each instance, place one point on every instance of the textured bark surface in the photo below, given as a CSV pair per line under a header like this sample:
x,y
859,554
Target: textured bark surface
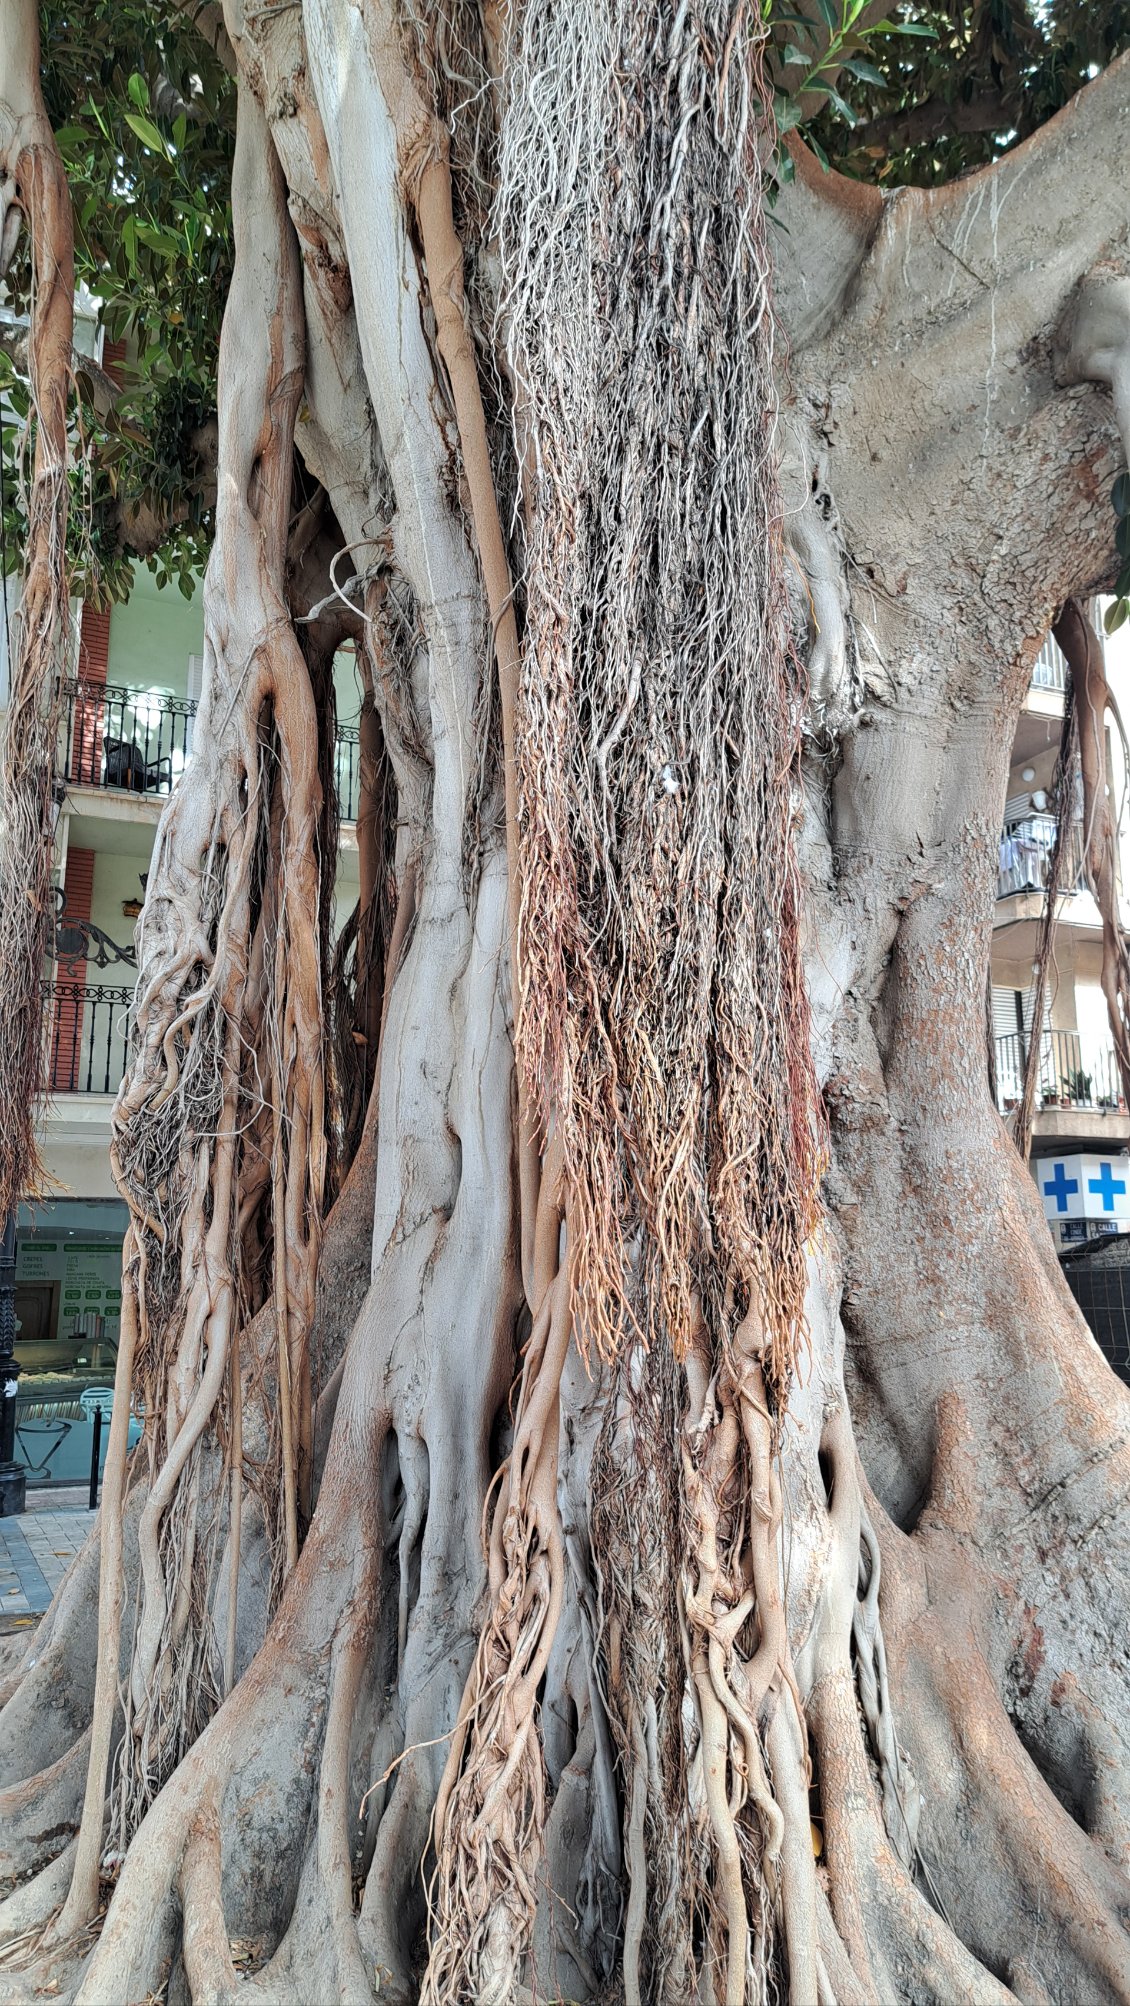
x,y
424,1653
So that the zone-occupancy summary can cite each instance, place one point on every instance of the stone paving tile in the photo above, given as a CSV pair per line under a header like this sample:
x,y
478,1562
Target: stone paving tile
x,y
36,1549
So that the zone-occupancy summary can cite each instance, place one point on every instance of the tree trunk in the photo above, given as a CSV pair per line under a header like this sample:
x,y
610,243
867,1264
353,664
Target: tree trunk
x,y
575,1564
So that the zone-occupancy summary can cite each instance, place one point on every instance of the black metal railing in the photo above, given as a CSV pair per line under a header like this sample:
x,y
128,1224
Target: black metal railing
x,y
138,741
347,770
1065,1078
1049,671
87,1036
1025,856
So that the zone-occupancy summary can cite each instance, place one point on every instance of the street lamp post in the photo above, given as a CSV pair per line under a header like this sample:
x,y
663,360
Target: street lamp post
x,y
12,1477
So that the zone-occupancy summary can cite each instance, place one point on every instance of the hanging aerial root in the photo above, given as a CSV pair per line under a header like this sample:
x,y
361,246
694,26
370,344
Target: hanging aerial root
x,y
663,1026
663,1029
648,748
638,1547
219,1126
33,189
490,1811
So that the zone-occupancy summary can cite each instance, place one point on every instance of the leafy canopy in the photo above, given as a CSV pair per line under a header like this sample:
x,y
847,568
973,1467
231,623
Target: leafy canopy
x,y
917,91
144,115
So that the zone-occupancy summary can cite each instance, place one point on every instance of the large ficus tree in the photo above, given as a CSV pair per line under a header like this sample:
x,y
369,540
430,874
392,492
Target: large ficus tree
x,y
627,1507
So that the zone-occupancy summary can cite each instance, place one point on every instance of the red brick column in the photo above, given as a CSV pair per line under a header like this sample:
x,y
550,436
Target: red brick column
x,y
66,1029
88,727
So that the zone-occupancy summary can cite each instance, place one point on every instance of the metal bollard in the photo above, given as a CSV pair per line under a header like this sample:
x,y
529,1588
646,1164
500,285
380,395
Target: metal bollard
x,y
96,1451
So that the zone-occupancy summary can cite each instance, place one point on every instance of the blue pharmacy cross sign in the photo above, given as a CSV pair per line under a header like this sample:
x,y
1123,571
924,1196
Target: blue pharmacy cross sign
x,y
1061,1186
1107,1185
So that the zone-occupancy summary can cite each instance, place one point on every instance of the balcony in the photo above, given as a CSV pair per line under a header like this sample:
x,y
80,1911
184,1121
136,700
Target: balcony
x,y
1049,671
135,741
138,742
88,1036
1025,857
347,770
1078,1097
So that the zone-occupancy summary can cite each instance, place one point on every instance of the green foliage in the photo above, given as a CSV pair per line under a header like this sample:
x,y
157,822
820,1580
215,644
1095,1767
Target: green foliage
x,y
145,119
144,116
823,59
960,83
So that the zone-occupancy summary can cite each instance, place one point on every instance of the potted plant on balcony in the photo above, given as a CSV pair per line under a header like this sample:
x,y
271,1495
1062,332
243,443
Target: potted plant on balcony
x,y
1078,1088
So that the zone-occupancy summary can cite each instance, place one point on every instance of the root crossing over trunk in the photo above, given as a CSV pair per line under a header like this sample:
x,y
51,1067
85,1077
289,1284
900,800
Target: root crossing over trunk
x,y
220,1119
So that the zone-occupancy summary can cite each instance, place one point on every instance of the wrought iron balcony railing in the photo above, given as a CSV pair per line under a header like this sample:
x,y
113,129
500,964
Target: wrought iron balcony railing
x,y
140,741
87,1036
137,741
347,770
1065,1077
1049,671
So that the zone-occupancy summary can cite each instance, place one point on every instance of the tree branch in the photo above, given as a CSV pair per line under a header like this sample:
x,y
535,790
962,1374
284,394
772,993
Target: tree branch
x,y
207,17
937,118
1016,229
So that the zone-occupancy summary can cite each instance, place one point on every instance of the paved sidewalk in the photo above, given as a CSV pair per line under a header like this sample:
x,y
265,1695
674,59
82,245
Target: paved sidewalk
x,y
36,1549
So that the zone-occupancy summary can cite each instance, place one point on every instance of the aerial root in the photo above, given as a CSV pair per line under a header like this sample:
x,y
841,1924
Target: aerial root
x,y
753,1751
490,1810
902,1799
255,1775
225,1075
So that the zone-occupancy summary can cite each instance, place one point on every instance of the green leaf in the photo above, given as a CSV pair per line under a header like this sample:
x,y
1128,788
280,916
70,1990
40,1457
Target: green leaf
x,y
842,106
1122,536
903,28
147,132
827,8
96,115
180,131
787,112
1120,494
865,71
160,240
791,54
1122,583
818,150
1115,614
138,91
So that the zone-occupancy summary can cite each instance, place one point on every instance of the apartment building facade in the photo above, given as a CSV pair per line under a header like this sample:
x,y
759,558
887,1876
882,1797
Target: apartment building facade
x,y
127,737
1081,1126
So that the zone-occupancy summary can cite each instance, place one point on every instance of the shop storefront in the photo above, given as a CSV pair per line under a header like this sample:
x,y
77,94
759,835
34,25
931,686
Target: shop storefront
x,y
68,1319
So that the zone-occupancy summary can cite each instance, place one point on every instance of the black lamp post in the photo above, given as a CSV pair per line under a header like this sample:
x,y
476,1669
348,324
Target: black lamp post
x,y
12,1477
